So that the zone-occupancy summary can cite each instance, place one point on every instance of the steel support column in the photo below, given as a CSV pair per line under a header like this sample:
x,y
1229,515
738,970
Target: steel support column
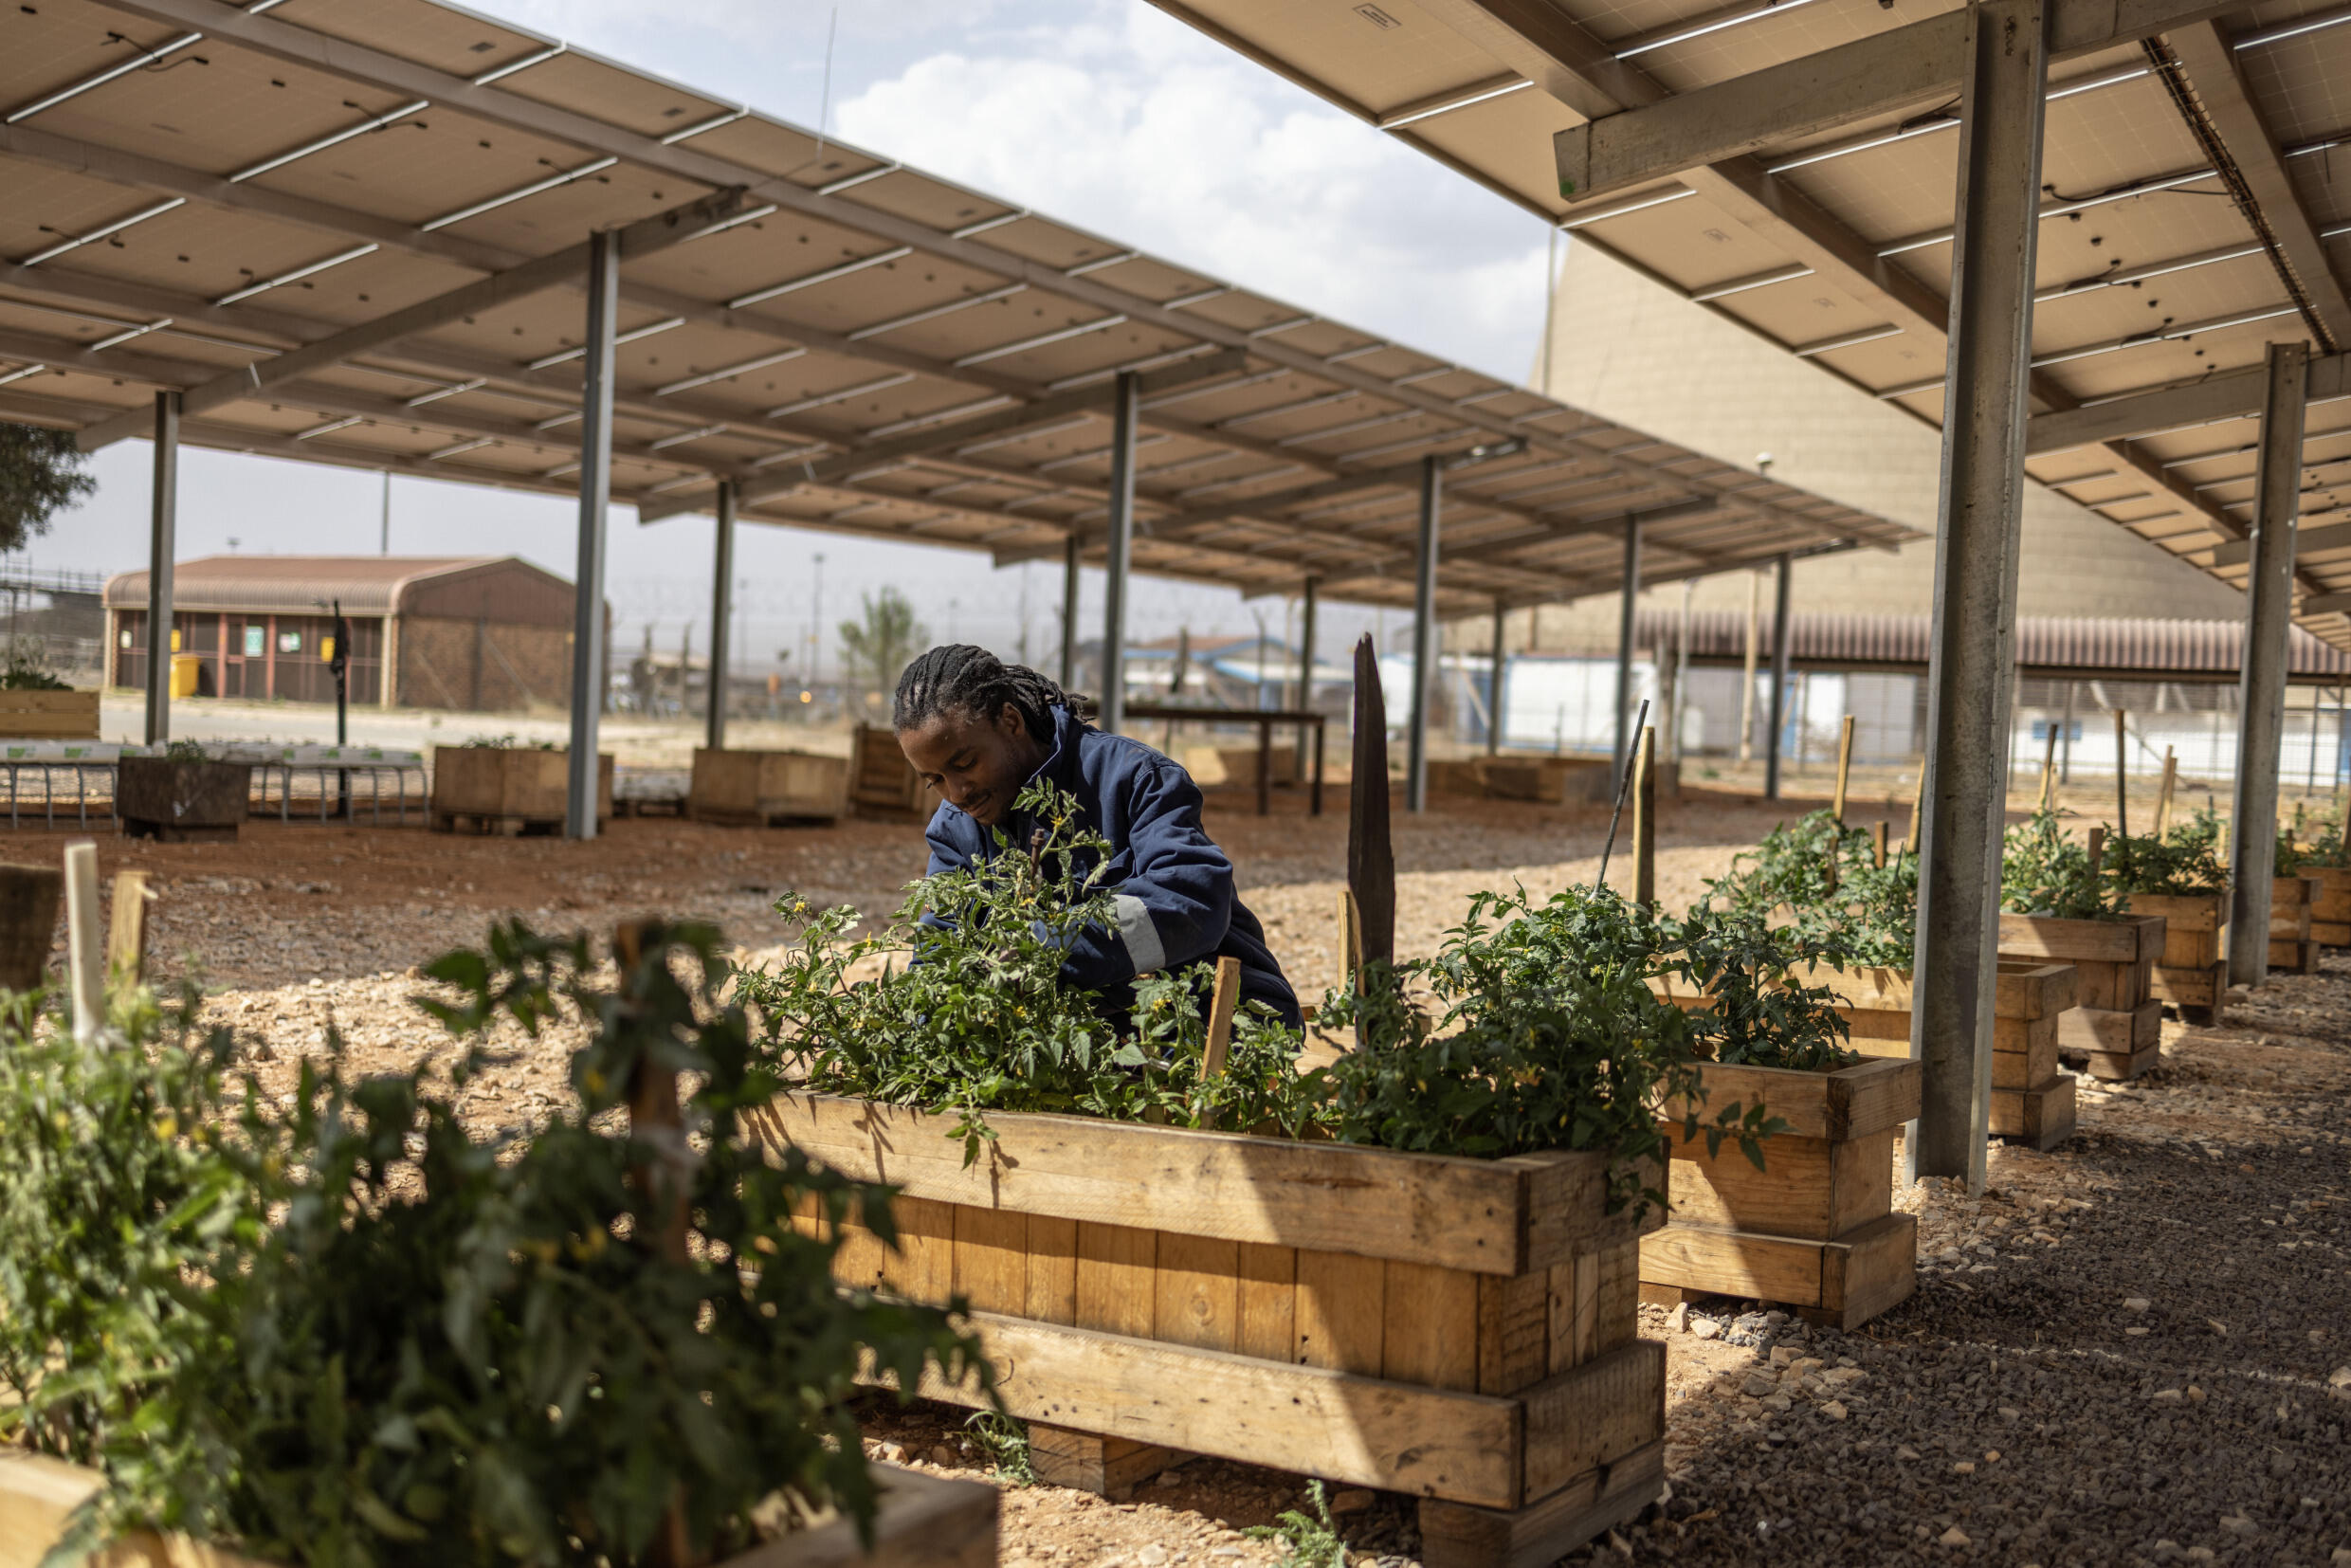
x,y
595,498
1069,612
1125,407
2261,684
722,617
162,545
1306,667
1424,637
1783,624
1972,657
1631,593
1493,688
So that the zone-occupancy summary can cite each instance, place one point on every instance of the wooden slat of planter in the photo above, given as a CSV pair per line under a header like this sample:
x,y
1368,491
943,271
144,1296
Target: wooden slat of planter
x,y
2101,941
1787,1197
1514,1331
1496,1216
2328,933
1362,1431
1735,1263
1601,1410
1454,1535
1861,1188
1342,1311
2182,911
2203,986
2042,1116
1850,1103
2097,1029
1430,1329
1116,1288
1267,1301
1052,1269
1196,1293
1871,1268
992,1258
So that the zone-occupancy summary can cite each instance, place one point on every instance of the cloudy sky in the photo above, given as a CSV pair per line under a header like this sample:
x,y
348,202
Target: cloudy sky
x,y
1106,113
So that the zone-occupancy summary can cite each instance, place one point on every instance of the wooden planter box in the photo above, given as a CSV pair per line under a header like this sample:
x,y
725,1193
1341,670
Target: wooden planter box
x,y
924,1522
1815,1229
49,715
1464,1331
2189,974
28,899
181,802
881,778
2117,1023
507,789
763,789
2032,1099
2330,906
2291,901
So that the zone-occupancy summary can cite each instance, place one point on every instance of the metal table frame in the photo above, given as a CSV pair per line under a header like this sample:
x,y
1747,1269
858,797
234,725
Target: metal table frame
x,y
1266,720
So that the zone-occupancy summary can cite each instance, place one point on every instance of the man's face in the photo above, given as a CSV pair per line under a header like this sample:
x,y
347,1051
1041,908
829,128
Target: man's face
x,y
976,766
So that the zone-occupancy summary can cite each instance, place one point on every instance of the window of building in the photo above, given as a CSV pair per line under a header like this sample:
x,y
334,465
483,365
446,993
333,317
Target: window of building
x,y
289,641
253,636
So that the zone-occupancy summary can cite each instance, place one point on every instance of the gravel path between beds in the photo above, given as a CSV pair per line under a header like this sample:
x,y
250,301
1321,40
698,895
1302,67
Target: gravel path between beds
x,y
2135,1349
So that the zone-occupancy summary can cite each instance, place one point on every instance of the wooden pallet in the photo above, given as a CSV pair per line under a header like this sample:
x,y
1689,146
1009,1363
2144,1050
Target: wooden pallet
x,y
882,782
1814,1229
1460,1330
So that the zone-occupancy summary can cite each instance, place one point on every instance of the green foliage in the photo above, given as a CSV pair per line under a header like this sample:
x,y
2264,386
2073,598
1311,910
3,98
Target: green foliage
x,y
883,640
981,1022
2292,857
2322,838
1005,1440
42,472
1826,878
2044,872
185,751
1760,1017
117,1194
2185,859
449,1349
22,671
1313,1543
1548,1036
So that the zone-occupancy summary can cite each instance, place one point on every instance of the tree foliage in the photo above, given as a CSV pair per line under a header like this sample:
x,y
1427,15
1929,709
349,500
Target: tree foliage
x,y
42,472
884,638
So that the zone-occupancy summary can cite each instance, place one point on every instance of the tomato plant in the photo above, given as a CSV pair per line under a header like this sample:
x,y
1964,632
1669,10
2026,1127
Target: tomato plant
x,y
2044,872
1822,878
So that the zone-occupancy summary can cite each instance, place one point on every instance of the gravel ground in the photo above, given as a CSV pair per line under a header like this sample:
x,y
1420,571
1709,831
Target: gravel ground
x,y
2134,1350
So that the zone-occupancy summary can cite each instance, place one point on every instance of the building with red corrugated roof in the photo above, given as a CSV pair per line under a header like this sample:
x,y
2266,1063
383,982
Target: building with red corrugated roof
x,y
472,632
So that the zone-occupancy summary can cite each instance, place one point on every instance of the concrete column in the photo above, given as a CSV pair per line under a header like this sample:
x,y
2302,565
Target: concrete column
x,y
1629,593
1971,660
2261,684
1493,688
1424,637
1306,667
1125,405
595,497
1069,612
721,615
162,545
1783,620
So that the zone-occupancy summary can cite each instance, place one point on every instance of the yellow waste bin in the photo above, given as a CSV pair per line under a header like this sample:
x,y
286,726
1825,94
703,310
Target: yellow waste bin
x,y
185,667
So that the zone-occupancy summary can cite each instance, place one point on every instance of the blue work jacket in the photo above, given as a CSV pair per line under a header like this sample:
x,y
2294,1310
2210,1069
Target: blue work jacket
x,y
1175,902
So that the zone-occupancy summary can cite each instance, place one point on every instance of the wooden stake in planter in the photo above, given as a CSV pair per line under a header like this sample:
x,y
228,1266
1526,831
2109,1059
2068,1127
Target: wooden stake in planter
x,y
1350,938
2163,793
1624,787
1370,855
85,952
1917,797
2121,777
28,895
1645,818
126,926
1877,844
1844,766
1220,1009
2097,848
2049,771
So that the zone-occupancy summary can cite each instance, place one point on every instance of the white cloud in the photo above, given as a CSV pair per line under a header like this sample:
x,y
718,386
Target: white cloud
x,y
1132,126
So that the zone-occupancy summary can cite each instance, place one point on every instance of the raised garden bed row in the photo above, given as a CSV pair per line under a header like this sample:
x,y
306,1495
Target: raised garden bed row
x,y
1459,1330
2115,1024
2190,974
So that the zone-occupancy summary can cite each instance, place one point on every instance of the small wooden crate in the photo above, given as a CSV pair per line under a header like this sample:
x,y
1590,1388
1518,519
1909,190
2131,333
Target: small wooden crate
x,y
2291,901
763,789
2189,975
920,1521
49,715
175,802
2116,1026
881,778
2032,1099
1815,1229
508,789
2330,904
1464,1331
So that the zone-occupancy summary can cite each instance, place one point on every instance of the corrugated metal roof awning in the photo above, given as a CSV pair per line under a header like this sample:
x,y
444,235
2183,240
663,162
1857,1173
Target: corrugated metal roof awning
x,y
300,585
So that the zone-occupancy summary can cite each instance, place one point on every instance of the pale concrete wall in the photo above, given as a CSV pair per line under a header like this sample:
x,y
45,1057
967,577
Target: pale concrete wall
x,y
1628,350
